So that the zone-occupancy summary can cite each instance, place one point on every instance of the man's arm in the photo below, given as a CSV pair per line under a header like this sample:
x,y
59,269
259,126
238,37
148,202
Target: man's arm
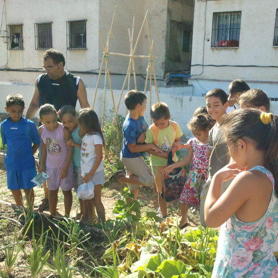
x,y
82,95
34,105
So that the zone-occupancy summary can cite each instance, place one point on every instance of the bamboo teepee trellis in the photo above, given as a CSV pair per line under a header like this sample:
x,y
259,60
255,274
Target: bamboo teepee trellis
x,y
150,78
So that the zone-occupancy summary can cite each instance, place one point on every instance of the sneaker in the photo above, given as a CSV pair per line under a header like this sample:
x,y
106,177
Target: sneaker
x,y
44,205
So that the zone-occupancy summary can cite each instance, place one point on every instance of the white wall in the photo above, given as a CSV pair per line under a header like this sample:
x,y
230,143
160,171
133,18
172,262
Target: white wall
x,y
59,12
255,46
99,15
201,86
125,11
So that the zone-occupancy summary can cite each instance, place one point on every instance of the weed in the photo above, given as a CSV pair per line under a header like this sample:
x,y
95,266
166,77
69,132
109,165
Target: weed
x,y
11,253
38,257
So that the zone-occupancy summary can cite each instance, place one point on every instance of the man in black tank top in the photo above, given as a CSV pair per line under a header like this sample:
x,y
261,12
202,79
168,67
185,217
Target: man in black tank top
x,y
57,86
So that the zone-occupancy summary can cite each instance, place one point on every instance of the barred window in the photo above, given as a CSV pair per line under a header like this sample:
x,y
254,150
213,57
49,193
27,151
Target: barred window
x,y
43,35
16,37
226,29
77,34
275,40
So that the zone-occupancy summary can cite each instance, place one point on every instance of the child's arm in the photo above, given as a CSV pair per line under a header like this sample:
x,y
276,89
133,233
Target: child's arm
x,y
159,153
141,138
132,141
135,148
67,164
71,143
35,136
35,148
185,161
98,159
220,207
42,163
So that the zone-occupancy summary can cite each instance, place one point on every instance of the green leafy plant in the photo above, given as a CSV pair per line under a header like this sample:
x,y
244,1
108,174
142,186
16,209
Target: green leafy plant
x,y
113,136
11,253
108,271
127,208
38,256
60,263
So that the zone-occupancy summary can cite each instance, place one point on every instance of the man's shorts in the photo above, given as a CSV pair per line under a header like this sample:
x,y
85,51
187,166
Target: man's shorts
x,y
137,166
17,180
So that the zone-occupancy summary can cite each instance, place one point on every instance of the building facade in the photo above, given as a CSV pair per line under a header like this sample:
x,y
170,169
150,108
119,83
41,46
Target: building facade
x,y
235,39
79,29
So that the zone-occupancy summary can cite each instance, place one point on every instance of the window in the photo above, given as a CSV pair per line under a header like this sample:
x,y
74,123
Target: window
x,y
186,41
16,37
275,41
43,35
77,34
226,29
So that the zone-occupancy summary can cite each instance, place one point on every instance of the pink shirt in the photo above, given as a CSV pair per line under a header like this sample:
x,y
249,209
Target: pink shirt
x,y
55,146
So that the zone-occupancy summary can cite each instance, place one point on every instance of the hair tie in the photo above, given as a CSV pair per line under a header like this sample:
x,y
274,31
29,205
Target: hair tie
x,y
266,118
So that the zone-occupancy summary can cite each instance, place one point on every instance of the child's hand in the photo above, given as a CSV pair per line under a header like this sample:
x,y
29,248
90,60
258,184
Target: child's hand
x,y
41,168
183,172
156,149
228,172
167,170
70,143
64,172
176,146
87,178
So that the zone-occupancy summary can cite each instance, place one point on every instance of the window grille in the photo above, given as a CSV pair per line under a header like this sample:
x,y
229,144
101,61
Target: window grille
x,y
226,29
77,34
43,35
16,37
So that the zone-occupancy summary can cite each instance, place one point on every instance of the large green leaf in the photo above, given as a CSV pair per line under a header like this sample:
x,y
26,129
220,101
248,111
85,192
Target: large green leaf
x,y
169,268
108,271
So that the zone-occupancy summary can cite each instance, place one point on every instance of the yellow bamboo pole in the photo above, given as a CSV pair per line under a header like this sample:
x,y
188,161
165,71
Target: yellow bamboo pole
x,y
104,55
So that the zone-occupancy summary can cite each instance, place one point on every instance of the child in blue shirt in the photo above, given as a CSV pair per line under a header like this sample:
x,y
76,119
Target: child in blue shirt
x,y
134,126
22,140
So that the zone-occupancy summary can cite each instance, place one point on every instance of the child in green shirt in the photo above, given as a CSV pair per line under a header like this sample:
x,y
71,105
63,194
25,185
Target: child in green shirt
x,y
163,133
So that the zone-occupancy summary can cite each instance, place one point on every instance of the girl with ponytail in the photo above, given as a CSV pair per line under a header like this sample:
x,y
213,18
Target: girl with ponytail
x,y
248,209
